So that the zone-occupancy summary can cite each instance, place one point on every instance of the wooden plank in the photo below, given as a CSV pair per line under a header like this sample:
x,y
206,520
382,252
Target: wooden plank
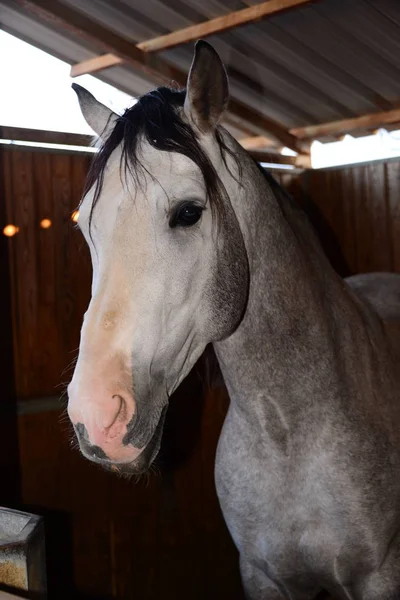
x,y
265,126
381,239
393,199
9,447
254,13
355,212
25,271
113,538
194,32
58,14
50,267
46,137
256,142
95,64
149,64
338,128
47,353
348,238
363,224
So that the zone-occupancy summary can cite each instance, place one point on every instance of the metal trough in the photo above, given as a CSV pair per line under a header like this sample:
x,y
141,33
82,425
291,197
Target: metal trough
x,y
22,553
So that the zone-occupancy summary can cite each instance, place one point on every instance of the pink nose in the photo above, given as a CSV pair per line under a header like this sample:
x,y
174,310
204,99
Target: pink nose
x,y
105,416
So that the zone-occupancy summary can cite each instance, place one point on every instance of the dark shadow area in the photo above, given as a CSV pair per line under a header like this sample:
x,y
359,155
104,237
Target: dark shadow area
x,y
37,596
324,231
79,596
182,423
59,552
10,494
59,559
21,593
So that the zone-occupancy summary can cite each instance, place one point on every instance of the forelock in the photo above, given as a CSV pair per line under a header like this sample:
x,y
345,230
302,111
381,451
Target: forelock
x,y
156,118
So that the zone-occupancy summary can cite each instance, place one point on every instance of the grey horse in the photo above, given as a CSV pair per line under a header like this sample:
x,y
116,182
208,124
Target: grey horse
x,y
193,243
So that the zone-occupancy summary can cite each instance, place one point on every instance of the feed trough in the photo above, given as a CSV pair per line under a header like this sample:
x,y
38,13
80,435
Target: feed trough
x,y
22,553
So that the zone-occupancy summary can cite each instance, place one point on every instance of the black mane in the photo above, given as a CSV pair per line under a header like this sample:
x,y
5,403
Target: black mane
x,y
156,119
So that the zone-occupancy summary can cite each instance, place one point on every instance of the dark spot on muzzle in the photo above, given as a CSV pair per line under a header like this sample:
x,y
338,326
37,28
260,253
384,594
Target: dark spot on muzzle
x,y
139,465
86,447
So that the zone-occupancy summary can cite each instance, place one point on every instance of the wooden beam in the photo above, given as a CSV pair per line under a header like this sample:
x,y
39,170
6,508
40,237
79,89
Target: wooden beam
x,y
65,17
150,65
256,142
220,24
266,127
339,128
194,32
96,64
47,137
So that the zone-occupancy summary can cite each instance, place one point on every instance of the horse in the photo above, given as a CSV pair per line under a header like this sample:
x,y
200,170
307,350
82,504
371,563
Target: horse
x,y
193,243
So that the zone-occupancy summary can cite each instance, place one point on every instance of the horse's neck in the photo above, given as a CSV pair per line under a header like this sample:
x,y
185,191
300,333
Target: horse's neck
x,y
287,341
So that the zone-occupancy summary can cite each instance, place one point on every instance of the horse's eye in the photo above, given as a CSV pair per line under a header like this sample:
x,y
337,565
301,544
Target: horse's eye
x,y
186,216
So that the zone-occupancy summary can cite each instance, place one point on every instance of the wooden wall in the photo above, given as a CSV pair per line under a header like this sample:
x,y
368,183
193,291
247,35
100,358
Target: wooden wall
x,y
161,537
50,268
9,450
356,211
106,537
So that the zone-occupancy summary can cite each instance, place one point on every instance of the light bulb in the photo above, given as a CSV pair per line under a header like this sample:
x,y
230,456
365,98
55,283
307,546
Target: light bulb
x,y
10,230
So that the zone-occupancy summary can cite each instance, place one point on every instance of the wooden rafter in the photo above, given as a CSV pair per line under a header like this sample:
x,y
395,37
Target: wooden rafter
x,y
192,33
257,12
62,15
151,65
40,136
338,128
258,142
95,64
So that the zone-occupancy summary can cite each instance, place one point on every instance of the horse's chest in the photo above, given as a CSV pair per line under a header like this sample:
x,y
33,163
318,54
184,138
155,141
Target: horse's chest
x,y
257,491
250,484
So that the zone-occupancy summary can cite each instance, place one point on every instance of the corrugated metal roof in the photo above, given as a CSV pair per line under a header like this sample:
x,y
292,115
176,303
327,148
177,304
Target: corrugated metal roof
x,y
331,59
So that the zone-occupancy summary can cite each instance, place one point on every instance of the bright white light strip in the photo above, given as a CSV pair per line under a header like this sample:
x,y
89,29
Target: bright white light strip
x,y
381,146
48,145
277,166
288,152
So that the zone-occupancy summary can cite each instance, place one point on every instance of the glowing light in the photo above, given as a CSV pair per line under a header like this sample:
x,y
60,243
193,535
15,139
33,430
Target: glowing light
x,y
10,230
45,223
75,216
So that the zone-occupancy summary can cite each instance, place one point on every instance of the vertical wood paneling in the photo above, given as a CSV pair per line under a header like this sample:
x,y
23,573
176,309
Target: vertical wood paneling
x,y
51,269
355,211
380,242
23,214
9,449
363,232
107,538
393,207
348,241
162,537
111,538
47,342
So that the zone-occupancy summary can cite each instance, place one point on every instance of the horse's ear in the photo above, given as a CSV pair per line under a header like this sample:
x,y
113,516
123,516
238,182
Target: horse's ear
x,y
100,118
207,90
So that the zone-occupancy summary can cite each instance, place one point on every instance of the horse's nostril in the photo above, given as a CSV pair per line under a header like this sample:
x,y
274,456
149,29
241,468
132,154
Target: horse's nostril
x,y
122,413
